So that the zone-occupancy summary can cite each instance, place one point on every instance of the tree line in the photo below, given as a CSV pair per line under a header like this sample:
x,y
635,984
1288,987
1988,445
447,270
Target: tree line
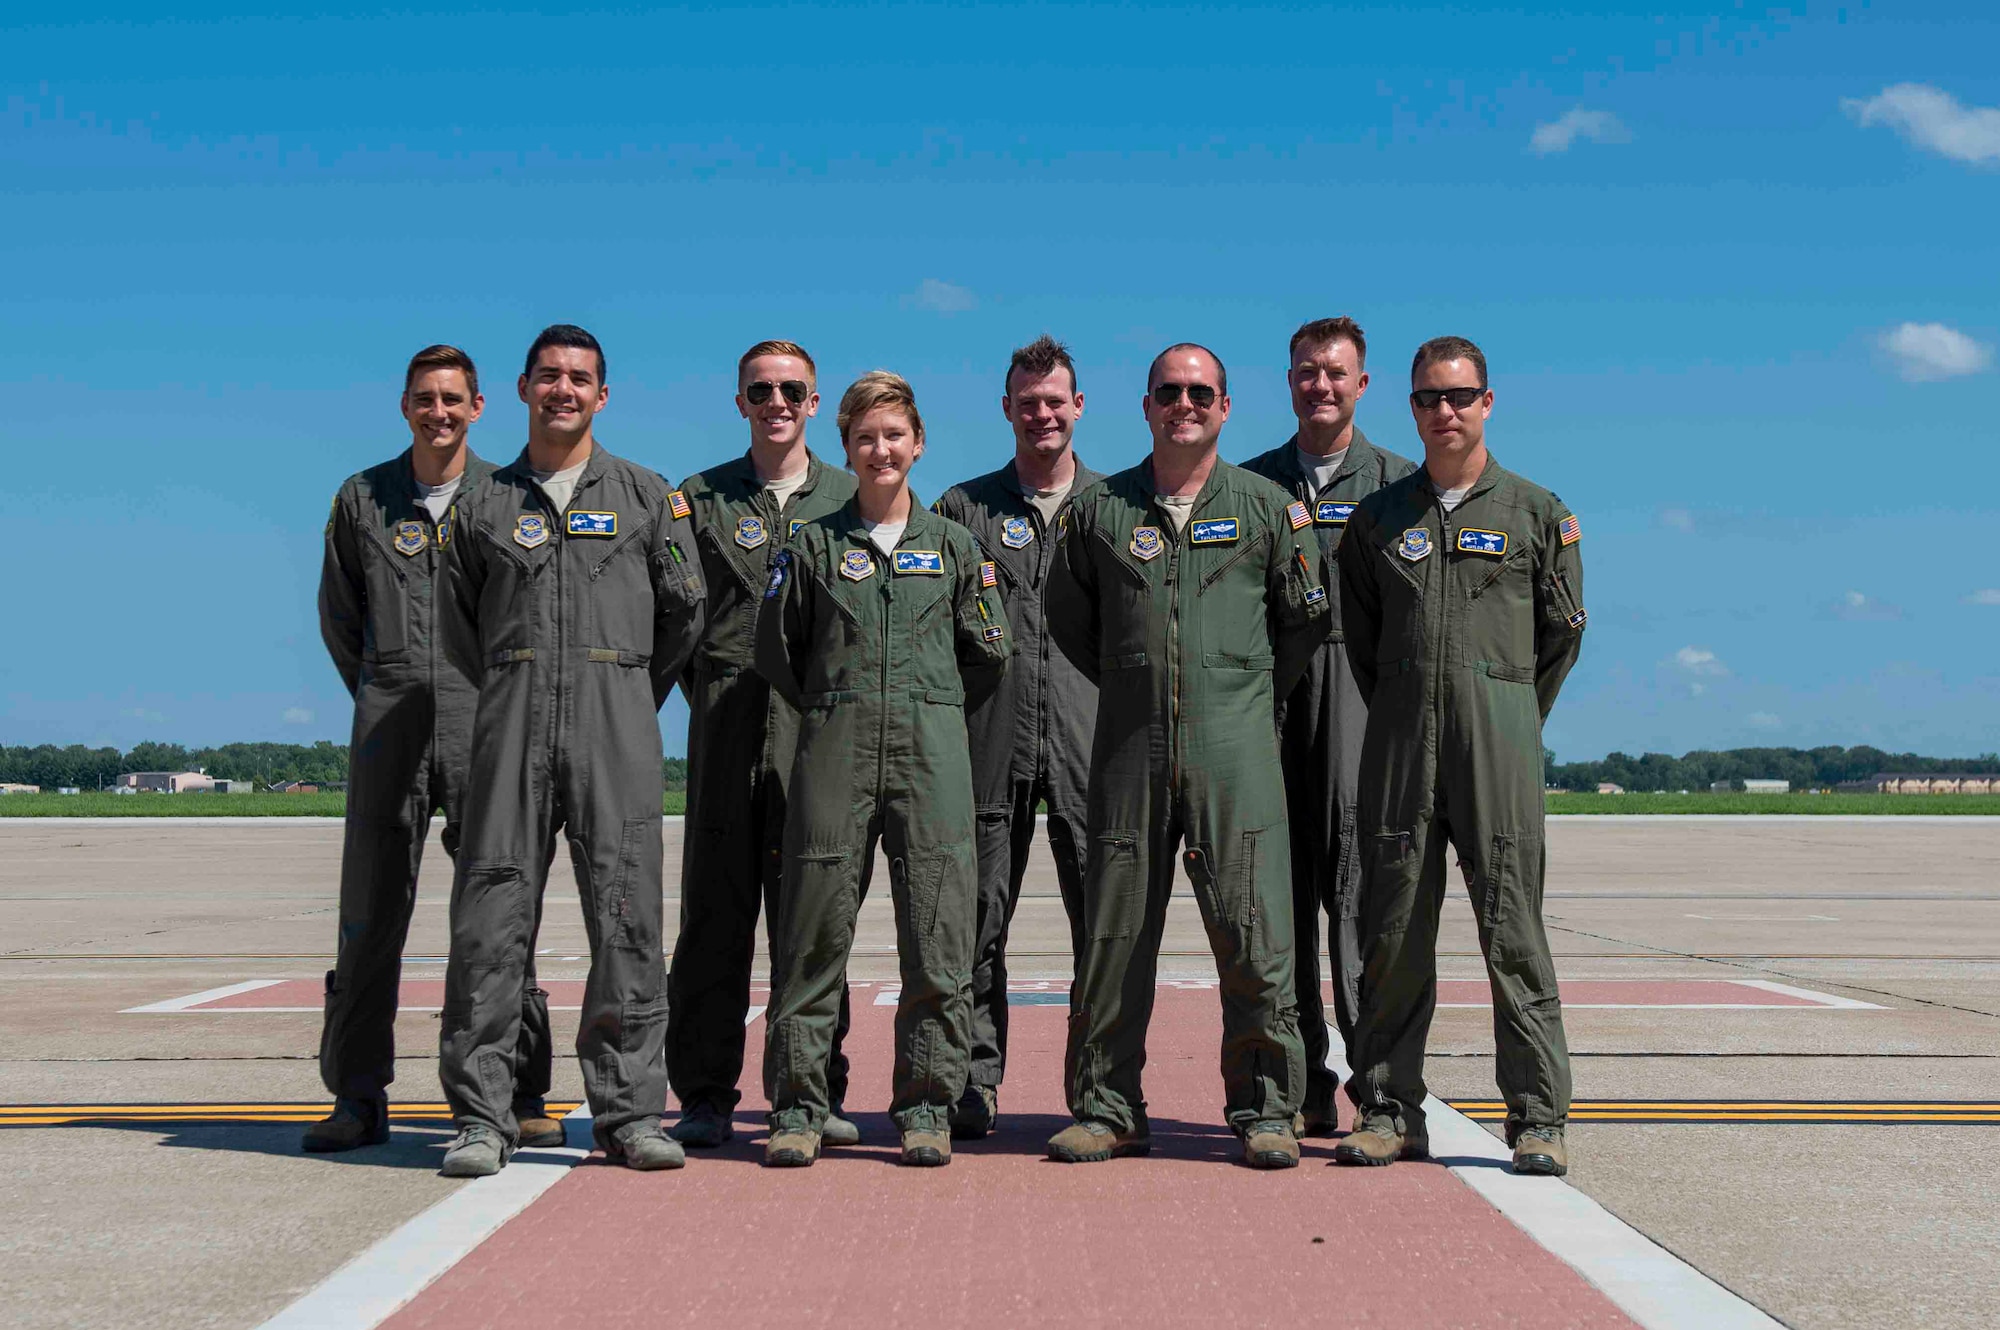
x,y
323,763
1805,768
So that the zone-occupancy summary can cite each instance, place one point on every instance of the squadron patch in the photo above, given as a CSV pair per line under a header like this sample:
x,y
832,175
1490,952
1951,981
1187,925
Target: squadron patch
x,y
1146,542
411,538
995,632
1473,540
925,563
1333,512
856,565
1316,595
1215,531
778,567
988,575
583,523
677,504
1016,533
531,531
1569,530
750,532
1578,619
1415,544
1298,515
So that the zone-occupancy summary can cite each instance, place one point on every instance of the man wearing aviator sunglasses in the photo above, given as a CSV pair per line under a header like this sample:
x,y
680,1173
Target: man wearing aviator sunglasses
x,y
1461,593
1191,593
740,741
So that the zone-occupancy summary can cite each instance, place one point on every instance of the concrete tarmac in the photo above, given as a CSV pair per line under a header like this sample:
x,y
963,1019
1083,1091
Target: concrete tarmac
x,y
206,1224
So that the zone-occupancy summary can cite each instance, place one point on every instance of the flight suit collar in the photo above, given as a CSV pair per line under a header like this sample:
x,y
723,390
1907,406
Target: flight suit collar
x,y
857,530
1010,476
742,473
476,469
1487,479
1209,489
1361,454
593,469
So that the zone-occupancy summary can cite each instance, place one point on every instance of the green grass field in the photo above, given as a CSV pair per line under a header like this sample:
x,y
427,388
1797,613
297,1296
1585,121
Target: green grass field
x,y
333,805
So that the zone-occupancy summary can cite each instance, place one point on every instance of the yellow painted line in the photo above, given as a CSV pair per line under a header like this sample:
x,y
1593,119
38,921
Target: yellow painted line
x,y
47,1115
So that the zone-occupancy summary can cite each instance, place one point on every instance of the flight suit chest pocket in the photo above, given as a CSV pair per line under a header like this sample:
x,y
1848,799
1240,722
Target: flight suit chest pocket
x,y
385,627
1125,588
1488,562
1235,627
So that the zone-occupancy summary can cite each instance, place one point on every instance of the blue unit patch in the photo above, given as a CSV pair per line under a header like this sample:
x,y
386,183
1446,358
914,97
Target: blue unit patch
x,y
583,523
924,563
750,532
994,632
411,538
1473,540
1016,532
1316,595
1146,542
1415,544
855,565
793,530
1333,512
531,531
444,530
1215,531
779,566
1578,619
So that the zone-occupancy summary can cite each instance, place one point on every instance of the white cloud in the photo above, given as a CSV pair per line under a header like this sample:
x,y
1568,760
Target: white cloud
x,y
297,716
1699,660
1859,607
941,297
1928,352
1764,720
1931,118
1679,519
1985,596
1577,123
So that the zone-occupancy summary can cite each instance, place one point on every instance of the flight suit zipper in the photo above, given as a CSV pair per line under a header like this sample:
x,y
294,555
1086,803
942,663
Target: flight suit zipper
x,y
1174,671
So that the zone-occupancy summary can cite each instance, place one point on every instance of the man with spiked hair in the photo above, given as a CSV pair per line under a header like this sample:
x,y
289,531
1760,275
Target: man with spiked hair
x,y
1031,739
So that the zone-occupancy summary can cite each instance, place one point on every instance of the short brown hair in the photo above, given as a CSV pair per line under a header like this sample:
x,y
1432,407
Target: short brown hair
x,y
1221,370
1039,359
777,349
1325,332
877,388
441,357
1450,348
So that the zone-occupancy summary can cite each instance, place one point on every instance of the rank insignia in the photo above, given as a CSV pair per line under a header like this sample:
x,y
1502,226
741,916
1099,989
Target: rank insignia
x,y
778,567
994,632
1316,595
1330,512
925,563
531,531
592,524
677,504
1569,530
988,575
1146,542
411,538
1016,533
1578,619
1298,515
793,529
1215,531
1415,544
1473,540
856,565
750,532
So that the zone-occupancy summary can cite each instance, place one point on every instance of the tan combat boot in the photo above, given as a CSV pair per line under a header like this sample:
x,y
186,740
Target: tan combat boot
x,y
1379,1143
1093,1142
1540,1150
534,1128
1270,1145
791,1149
926,1147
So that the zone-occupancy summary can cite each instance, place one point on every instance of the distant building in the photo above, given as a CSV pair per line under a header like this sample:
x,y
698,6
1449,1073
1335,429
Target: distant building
x,y
1753,786
164,782
68,789
1895,782
235,787
10,787
295,787
1609,787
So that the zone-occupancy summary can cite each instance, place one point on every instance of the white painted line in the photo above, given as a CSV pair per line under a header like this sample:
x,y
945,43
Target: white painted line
x,y
1822,999
1647,1282
1766,918
181,1004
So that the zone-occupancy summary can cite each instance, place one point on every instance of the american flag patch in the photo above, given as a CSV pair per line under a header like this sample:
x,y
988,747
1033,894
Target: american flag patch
x,y
677,504
988,576
1570,530
1300,517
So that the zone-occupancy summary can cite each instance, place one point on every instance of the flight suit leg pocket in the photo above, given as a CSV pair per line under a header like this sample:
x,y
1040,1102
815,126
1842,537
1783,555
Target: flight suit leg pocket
x,y
1500,878
1389,882
1347,869
1114,886
491,921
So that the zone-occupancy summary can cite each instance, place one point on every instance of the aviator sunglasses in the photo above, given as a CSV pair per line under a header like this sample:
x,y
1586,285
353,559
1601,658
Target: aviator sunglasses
x,y
1200,394
795,390
1426,399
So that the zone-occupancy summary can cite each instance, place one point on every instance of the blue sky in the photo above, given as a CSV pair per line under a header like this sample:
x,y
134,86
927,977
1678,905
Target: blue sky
x,y
1690,240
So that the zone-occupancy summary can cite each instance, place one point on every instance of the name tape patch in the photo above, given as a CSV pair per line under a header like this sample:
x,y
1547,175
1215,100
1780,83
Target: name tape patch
x,y
1333,512
1474,540
1215,531
924,563
593,524
793,530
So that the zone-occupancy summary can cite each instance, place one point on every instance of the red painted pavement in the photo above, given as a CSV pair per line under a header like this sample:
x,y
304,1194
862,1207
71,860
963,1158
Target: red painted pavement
x,y
1004,1237
428,994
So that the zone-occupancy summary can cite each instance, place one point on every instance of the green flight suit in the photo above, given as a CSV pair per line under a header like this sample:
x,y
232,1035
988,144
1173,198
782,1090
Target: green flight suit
x,y
1030,745
1319,727
1191,638
741,736
1460,628
576,624
411,742
881,657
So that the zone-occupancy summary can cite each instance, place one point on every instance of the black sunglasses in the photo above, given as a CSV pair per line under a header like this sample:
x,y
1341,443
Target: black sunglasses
x,y
1200,394
795,390
1426,399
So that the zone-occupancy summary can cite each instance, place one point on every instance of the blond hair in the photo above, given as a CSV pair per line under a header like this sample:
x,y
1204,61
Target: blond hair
x,y
878,388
